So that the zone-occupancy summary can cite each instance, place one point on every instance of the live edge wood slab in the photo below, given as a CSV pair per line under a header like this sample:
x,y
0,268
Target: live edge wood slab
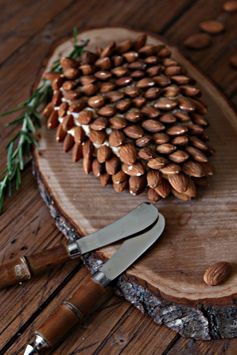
x,y
167,282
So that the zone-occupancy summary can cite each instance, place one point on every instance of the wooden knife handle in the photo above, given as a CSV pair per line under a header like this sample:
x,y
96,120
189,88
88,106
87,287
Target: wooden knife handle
x,y
23,268
89,296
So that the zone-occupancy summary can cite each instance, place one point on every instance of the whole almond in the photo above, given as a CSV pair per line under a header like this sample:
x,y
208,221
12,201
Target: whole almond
x,y
162,80
189,90
179,156
87,149
136,169
103,75
134,131
104,179
68,122
76,152
191,189
140,41
161,138
147,153
151,60
68,142
117,122
96,101
116,138
157,163
53,120
133,115
132,91
173,70
99,124
128,153
97,168
153,126
163,189
103,153
198,143
137,65
89,89
57,98
123,81
167,118
153,178
124,46
71,73
106,87
152,195
97,137
48,110
85,117
197,154
130,56
198,41
139,101
60,134
148,50
63,109
119,177
87,69
145,83
154,70
123,105
180,140
152,93
107,51
136,184
104,63
217,273
181,79
114,96
164,103
121,186
166,148
69,85
230,6
150,111
185,104
176,130
193,169
180,196
143,141
119,71
171,169
137,74
79,134
68,63
179,182
112,165
107,111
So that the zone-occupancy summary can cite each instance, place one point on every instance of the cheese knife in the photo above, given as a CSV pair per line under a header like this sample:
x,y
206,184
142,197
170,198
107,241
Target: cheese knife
x,y
25,267
94,289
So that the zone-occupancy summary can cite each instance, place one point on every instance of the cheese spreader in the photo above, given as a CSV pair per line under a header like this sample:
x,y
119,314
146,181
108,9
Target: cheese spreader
x,y
95,289
25,267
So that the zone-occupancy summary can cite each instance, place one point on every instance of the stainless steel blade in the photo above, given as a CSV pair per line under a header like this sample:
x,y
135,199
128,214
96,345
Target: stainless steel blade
x,y
134,222
131,250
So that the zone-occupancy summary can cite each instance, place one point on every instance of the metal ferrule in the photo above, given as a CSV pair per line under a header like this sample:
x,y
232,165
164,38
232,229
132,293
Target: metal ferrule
x,y
39,344
100,278
73,250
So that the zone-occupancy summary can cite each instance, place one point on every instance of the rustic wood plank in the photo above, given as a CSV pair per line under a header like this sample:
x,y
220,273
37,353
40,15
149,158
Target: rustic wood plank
x,y
27,227
89,334
191,346
24,21
135,334
214,61
19,93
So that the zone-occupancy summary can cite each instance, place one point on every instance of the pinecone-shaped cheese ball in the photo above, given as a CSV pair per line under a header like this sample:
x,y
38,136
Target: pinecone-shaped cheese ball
x,y
135,117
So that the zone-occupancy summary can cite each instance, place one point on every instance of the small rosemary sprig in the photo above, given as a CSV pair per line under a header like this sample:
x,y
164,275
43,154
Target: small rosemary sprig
x,y
29,119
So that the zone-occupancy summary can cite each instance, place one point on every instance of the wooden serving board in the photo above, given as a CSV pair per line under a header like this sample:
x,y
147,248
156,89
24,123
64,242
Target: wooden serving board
x,y
167,282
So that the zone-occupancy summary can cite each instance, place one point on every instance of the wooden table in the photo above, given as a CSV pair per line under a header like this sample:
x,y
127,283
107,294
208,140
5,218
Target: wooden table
x,y
28,30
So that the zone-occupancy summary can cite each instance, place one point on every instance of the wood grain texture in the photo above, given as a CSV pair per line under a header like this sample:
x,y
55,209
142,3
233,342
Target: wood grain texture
x,y
22,226
194,231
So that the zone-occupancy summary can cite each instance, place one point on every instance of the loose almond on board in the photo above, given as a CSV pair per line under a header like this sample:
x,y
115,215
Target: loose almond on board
x,y
198,41
217,273
212,26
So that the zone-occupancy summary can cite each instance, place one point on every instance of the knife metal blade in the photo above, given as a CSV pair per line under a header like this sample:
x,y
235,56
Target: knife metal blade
x,y
134,222
129,252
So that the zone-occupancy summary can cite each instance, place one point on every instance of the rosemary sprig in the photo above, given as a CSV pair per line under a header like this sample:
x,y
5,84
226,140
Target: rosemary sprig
x,y
29,119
